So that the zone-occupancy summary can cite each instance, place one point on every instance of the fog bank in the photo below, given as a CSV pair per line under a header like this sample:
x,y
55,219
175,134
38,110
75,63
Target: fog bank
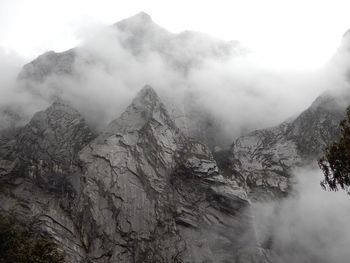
x,y
311,226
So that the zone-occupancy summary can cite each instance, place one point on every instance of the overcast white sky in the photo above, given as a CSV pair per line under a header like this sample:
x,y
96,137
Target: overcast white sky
x,y
290,34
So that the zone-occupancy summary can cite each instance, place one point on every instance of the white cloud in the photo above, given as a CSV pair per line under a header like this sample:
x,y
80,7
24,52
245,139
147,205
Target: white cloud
x,y
289,34
310,226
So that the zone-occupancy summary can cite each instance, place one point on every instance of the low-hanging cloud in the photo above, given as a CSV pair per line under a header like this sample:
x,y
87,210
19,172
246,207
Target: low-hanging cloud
x,y
12,100
239,95
10,65
311,226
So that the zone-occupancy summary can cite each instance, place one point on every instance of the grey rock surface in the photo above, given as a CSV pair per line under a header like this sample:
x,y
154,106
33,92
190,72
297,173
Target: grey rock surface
x,y
143,190
265,157
48,64
40,173
158,196
139,192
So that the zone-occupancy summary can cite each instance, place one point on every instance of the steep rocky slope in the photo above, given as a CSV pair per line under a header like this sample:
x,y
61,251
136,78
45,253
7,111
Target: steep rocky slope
x,y
156,196
49,63
142,190
264,158
139,192
40,173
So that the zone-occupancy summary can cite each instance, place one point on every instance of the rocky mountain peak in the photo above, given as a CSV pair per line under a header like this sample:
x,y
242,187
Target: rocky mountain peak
x,y
40,170
265,157
140,21
139,35
59,115
146,96
49,63
140,192
144,109
330,102
144,176
63,106
142,17
55,134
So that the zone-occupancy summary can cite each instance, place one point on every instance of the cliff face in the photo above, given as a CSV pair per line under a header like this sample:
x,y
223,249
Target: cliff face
x,y
139,192
40,172
147,188
48,64
265,157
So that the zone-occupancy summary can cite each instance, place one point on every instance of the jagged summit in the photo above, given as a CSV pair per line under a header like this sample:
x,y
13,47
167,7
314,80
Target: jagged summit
x,y
139,35
64,107
65,131
334,100
141,16
147,88
147,99
265,157
139,21
326,102
59,102
150,186
47,64
147,91
146,107
60,111
46,149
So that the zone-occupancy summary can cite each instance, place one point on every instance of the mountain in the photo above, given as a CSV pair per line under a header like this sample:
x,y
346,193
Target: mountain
x,y
141,191
47,64
139,35
265,158
184,50
40,172
137,39
152,185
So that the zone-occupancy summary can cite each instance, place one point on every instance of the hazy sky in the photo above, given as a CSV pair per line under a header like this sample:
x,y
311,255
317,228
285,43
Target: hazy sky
x,y
291,34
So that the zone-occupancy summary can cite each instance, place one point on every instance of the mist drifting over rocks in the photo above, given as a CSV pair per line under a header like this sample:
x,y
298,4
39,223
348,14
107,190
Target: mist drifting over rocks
x,y
309,226
192,169
193,71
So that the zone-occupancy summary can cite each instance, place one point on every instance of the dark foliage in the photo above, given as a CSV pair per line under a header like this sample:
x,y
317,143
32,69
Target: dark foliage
x,y
336,161
18,244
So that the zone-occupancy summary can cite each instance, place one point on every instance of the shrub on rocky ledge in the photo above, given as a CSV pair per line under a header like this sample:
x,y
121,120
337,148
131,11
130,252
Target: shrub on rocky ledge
x,y
19,244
